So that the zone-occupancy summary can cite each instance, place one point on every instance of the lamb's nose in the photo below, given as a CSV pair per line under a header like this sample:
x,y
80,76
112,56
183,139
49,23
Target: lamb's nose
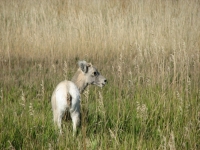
x,y
105,81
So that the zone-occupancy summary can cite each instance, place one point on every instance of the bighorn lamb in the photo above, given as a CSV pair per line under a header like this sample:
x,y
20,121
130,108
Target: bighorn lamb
x,y
66,96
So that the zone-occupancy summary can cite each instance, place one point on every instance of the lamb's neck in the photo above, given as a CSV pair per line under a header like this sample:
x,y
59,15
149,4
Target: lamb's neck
x,y
79,80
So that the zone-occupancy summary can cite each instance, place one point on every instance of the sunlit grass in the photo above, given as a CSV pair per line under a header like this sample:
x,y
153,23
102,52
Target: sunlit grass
x,y
148,51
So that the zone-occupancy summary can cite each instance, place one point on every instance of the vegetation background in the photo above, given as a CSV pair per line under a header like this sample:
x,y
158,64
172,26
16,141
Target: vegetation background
x,y
149,50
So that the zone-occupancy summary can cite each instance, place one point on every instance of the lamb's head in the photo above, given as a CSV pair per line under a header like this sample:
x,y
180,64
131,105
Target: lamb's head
x,y
92,75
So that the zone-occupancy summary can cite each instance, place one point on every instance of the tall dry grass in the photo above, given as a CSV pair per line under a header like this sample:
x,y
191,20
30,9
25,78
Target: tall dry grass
x,y
77,27
148,50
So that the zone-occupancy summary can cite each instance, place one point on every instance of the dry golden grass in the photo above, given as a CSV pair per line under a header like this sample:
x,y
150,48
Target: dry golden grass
x,y
80,28
148,49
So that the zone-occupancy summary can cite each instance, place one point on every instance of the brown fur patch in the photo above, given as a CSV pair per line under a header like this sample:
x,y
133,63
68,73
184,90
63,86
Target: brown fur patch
x,y
67,116
69,100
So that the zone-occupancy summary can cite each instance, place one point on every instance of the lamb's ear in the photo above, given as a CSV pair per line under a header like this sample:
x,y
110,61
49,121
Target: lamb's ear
x,y
83,65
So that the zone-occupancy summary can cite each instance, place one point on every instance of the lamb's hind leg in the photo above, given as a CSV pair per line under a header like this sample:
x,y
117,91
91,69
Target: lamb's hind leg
x,y
59,121
54,108
76,121
57,118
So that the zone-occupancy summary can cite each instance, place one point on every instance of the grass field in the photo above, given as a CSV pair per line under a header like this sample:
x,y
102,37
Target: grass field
x,y
149,51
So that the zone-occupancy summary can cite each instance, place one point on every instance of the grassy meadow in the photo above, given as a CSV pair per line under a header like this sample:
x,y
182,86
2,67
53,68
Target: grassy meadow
x,y
149,51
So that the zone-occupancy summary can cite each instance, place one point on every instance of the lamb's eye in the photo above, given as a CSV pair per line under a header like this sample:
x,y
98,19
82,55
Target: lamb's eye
x,y
95,73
